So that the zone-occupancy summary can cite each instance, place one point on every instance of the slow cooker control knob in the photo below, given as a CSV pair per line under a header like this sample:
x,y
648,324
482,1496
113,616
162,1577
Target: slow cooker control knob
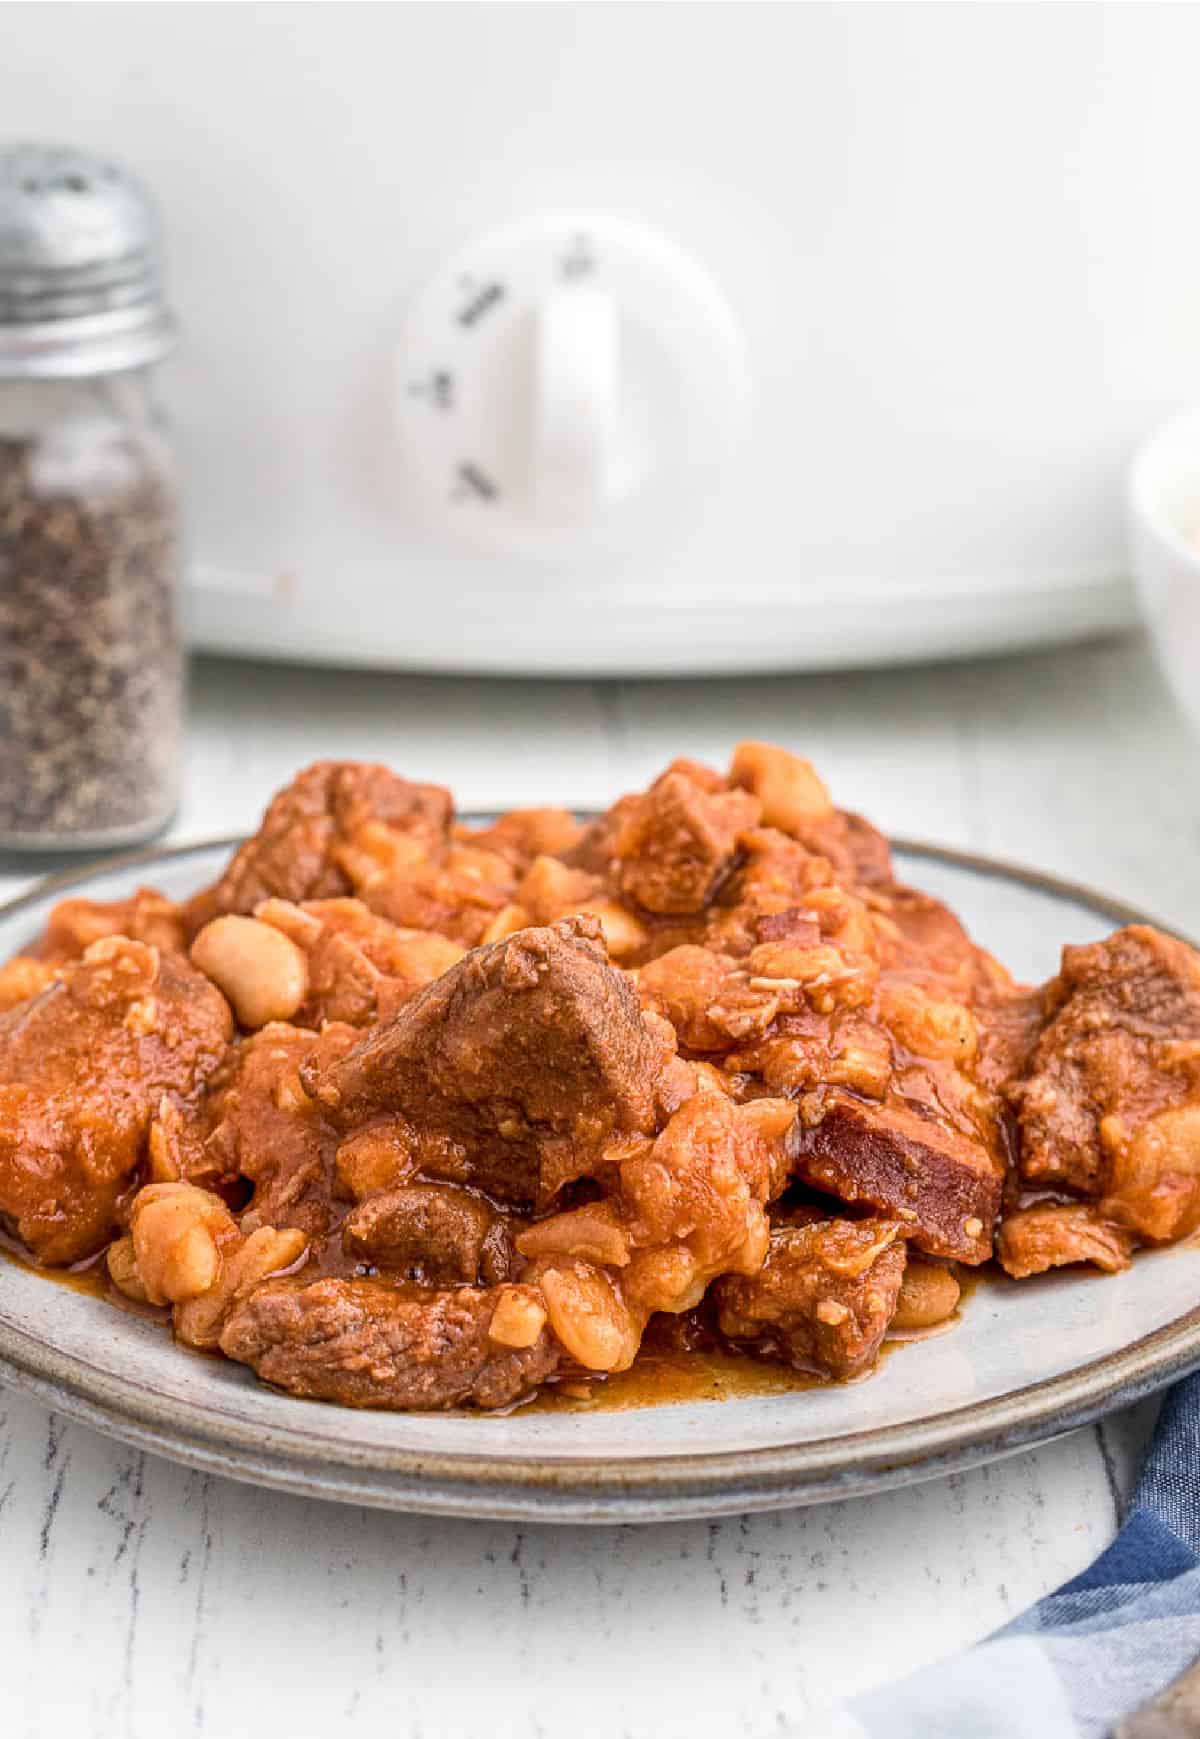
x,y
567,387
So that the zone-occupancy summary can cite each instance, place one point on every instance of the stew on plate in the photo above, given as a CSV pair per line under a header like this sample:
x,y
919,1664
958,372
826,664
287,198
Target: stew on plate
x,y
404,1113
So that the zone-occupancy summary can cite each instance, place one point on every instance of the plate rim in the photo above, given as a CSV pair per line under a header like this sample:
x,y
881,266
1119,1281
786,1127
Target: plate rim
x,y
656,1486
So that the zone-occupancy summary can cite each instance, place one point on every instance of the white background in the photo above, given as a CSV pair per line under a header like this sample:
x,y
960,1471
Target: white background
x,y
957,238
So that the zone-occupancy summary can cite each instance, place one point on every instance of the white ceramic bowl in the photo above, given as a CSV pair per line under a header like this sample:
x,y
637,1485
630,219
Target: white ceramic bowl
x,y
1164,534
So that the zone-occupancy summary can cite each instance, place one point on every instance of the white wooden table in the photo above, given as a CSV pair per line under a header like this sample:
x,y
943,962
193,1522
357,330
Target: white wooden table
x,y
137,1598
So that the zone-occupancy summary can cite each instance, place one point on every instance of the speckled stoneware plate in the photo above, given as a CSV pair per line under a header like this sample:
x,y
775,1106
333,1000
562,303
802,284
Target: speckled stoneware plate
x,y
1025,1363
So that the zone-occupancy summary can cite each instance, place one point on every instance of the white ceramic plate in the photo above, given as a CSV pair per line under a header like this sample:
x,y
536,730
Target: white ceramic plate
x,y
1026,1363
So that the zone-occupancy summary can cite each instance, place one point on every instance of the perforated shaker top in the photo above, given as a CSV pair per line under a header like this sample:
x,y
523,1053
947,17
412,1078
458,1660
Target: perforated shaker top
x,y
81,287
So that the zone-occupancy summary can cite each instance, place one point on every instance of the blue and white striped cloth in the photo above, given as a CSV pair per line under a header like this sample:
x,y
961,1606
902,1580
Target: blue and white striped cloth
x,y
1086,1656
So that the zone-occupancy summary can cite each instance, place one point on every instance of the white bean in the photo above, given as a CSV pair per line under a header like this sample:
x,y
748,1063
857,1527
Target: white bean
x,y
260,970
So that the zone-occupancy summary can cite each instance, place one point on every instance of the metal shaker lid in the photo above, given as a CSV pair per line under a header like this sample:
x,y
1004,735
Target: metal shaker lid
x,y
81,288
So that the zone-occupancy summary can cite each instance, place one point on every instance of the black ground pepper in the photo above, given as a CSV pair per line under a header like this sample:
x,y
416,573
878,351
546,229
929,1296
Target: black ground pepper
x,y
90,653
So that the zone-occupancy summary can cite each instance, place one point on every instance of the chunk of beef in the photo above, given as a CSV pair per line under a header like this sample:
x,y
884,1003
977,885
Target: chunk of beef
x,y
885,1066
1009,1023
295,855
433,1234
364,1343
1110,1107
943,1185
83,1068
1057,1234
823,1298
678,840
528,1054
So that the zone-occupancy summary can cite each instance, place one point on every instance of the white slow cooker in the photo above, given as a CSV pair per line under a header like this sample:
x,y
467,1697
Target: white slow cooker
x,y
652,338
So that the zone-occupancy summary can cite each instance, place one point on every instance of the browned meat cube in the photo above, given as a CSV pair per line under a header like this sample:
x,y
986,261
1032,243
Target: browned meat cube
x,y
528,1047
364,1343
1057,1234
678,840
434,1234
1111,1105
294,854
944,1186
83,1068
822,1300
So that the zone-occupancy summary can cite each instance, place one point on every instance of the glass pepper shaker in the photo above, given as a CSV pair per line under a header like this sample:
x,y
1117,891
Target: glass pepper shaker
x,y
91,655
